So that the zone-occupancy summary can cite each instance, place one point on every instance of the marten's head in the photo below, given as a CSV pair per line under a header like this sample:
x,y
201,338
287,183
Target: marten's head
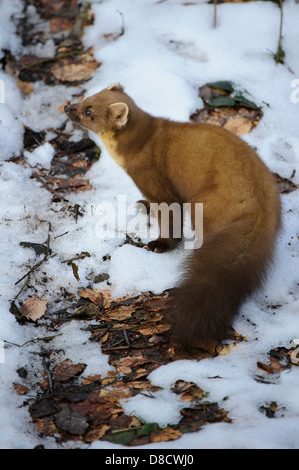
x,y
105,111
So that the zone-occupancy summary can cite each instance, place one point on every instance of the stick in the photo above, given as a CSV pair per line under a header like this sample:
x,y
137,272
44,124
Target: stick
x,y
215,13
37,265
279,53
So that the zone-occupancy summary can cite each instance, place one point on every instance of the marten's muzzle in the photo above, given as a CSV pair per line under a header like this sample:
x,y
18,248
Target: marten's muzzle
x,y
72,112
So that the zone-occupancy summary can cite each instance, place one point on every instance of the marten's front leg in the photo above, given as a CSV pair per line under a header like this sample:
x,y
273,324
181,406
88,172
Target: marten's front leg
x,y
170,225
143,206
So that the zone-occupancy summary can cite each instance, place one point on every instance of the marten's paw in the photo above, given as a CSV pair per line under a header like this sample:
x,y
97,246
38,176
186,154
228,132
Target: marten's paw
x,y
143,206
161,245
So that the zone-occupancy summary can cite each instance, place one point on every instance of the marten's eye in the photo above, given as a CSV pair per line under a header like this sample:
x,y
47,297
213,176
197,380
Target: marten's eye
x,y
87,112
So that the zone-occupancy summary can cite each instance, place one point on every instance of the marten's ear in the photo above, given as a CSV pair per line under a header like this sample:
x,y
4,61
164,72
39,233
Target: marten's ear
x,y
115,87
118,114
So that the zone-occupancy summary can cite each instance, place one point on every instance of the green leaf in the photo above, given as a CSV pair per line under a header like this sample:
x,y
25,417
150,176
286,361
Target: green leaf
x,y
37,247
122,437
222,85
221,101
147,429
242,101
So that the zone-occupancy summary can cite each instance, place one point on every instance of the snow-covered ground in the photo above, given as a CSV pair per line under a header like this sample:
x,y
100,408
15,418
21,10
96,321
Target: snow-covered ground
x,y
167,52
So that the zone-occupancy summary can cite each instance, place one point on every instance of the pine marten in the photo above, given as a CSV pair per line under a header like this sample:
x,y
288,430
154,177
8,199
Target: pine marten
x,y
189,163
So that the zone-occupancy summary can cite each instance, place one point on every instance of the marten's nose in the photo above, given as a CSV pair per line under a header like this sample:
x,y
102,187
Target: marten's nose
x,y
66,108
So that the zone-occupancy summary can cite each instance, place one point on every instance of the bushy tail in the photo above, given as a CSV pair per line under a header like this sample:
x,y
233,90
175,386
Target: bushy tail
x,y
218,278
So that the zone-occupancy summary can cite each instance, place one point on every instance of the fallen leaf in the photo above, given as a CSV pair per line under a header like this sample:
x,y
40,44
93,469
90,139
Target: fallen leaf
x,y
71,421
96,296
66,370
155,329
20,389
114,395
121,313
269,367
25,87
91,379
58,24
239,126
69,70
46,426
97,433
75,271
34,308
132,361
124,369
228,108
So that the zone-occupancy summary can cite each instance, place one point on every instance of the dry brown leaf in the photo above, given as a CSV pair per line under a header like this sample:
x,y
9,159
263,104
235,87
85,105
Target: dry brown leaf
x,y
66,70
76,182
167,434
157,303
25,87
121,313
266,367
104,338
66,370
58,24
154,330
95,296
132,361
237,121
239,126
20,389
187,398
53,5
80,164
276,365
141,373
34,308
46,426
97,433
114,395
106,293
124,369
91,379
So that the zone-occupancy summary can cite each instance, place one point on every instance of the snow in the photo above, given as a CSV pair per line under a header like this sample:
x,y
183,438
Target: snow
x,y
167,51
42,155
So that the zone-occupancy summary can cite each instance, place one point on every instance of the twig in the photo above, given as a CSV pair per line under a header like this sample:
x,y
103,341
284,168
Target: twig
x,y
42,338
115,348
49,374
24,285
61,235
37,265
215,14
122,32
132,428
126,337
82,256
99,336
280,53
59,132
35,175
52,59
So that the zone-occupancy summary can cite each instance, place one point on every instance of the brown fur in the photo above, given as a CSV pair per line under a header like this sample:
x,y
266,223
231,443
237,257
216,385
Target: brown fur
x,y
189,163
